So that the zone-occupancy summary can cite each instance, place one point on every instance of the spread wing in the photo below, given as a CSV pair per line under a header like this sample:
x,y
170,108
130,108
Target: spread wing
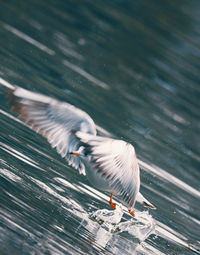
x,y
116,161
54,120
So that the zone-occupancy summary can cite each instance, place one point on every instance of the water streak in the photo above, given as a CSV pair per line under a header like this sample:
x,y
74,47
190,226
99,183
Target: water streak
x,y
86,74
29,39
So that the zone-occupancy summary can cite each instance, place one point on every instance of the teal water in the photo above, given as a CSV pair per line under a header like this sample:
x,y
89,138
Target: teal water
x,y
134,67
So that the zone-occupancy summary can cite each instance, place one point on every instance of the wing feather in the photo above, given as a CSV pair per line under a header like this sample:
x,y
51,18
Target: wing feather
x,y
116,161
54,120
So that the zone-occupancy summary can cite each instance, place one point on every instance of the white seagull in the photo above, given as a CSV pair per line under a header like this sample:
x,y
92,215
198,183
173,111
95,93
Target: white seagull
x,y
109,164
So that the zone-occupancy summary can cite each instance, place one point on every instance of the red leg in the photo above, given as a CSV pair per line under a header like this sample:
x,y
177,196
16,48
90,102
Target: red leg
x,y
131,212
113,205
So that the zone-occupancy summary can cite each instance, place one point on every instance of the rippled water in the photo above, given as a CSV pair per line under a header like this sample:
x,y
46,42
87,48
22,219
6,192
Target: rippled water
x,y
134,67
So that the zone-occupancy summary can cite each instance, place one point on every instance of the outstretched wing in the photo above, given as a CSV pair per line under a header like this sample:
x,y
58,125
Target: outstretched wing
x,y
116,161
55,120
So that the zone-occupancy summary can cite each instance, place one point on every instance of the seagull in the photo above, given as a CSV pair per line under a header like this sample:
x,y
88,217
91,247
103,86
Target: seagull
x,y
110,165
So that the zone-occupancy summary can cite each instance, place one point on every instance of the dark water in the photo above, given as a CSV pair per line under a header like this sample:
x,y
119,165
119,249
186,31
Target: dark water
x,y
134,67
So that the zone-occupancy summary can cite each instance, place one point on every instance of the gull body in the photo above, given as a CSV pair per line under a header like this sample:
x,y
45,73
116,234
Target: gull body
x,y
110,165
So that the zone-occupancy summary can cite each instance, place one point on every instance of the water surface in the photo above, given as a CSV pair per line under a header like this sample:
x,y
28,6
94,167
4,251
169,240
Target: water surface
x,y
134,67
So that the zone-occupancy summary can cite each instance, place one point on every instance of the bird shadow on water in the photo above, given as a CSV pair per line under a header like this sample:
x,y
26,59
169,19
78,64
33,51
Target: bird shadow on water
x,y
110,226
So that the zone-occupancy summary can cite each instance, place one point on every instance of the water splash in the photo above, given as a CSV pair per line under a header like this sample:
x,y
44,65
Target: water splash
x,y
137,228
108,219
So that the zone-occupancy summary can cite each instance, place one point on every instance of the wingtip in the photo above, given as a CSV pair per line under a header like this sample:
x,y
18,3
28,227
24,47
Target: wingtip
x,y
11,97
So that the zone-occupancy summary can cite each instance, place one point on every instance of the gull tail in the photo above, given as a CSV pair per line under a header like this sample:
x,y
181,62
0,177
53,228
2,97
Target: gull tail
x,y
142,200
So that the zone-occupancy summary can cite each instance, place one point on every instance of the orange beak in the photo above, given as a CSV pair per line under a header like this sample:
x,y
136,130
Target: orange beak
x,y
75,153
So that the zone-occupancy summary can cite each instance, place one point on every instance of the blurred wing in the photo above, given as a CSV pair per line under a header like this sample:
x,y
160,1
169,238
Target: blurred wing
x,y
54,120
116,161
